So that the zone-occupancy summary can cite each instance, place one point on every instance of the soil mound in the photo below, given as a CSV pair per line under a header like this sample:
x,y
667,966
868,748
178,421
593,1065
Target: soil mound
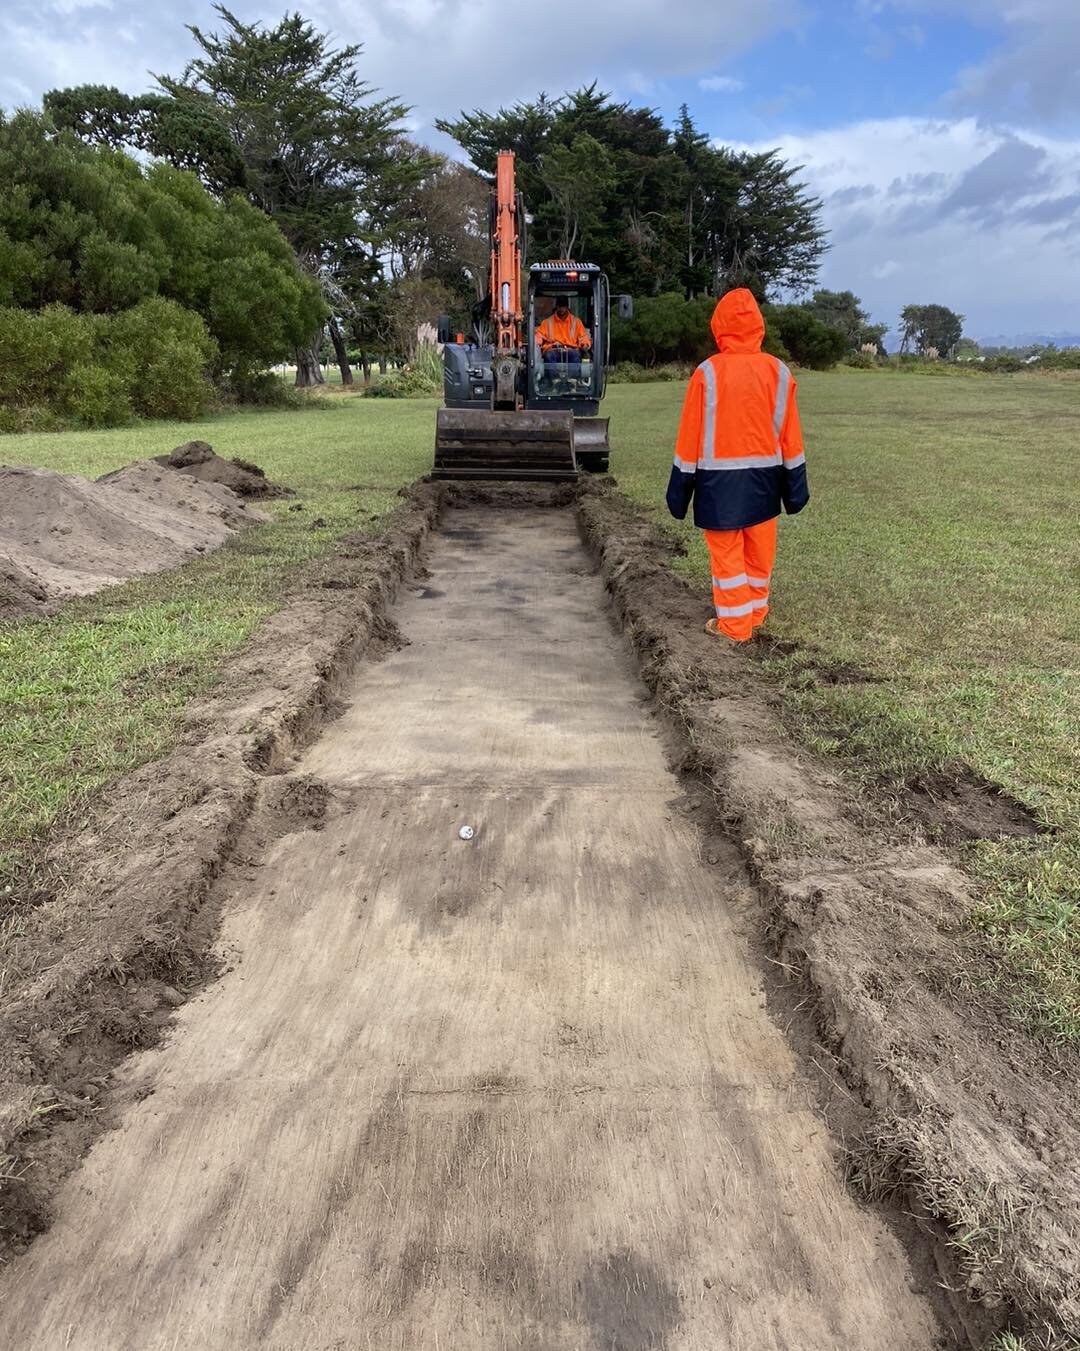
x,y
200,461
63,536
20,594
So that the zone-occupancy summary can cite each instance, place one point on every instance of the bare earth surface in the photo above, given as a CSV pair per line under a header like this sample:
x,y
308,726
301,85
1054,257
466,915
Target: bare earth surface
x,y
63,536
516,1091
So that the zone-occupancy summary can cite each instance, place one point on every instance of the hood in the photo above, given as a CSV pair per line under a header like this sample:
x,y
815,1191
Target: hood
x,y
737,324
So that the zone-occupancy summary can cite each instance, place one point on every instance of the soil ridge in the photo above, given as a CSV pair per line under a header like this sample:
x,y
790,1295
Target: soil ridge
x,y
113,930
971,1122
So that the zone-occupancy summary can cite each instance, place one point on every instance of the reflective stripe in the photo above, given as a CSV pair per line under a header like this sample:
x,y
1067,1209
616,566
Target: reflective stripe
x,y
758,581
687,466
747,462
783,389
759,604
734,611
730,583
794,464
708,448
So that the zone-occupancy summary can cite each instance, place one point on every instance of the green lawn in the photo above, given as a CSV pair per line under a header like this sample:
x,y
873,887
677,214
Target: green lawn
x,y
939,553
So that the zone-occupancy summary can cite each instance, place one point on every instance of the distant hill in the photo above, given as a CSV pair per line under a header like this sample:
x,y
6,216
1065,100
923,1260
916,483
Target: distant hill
x,y
1031,340
1012,341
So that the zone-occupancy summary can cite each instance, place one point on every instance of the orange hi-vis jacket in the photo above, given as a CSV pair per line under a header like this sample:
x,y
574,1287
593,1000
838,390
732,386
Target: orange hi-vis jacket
x,y
568,332
739,452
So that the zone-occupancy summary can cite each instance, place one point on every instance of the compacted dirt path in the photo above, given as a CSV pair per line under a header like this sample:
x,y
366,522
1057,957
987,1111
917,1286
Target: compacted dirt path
x,y
514,1091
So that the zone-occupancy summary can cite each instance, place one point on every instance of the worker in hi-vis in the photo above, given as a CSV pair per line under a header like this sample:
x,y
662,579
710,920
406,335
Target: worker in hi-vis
x,y
563,329
739,456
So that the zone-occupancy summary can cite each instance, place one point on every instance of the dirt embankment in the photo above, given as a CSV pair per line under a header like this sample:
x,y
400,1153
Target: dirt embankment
x,y
964,1118
112,930
63,536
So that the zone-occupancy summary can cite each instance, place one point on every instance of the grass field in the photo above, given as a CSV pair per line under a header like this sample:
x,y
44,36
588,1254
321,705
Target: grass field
x,y
939,554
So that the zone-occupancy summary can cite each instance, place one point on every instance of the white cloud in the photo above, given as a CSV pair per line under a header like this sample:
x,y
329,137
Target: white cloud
x,y
438,55
721,84
953,212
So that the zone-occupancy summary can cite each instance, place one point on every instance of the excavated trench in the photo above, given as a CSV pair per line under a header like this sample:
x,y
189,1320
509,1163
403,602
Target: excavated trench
x,y
520,1089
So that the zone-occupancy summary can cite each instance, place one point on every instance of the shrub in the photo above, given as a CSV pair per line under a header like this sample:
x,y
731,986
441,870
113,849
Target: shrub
x,y
809,341
633,373
1068,359
268,390
665,328
162,351
96,396
93,230
101,370
39,349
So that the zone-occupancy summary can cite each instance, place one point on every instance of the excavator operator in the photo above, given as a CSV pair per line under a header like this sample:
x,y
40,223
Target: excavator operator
x,y
563,338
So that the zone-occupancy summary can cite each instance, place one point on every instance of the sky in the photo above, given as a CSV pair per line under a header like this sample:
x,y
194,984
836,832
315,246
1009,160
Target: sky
x,y
943,136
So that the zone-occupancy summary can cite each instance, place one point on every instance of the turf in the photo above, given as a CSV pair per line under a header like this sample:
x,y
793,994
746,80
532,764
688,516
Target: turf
x,y
938,555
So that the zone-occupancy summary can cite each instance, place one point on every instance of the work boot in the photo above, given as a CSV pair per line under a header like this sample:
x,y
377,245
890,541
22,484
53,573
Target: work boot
x,y
713,629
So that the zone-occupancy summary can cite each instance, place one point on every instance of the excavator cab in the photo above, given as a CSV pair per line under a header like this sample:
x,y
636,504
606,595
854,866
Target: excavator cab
x,y
570,378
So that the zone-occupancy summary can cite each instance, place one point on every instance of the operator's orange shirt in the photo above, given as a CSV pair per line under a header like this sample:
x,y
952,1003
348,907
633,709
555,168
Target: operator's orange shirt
x,y
568,332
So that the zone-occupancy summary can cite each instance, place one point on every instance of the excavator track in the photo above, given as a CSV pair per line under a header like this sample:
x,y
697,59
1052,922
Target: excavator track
x,y
478,443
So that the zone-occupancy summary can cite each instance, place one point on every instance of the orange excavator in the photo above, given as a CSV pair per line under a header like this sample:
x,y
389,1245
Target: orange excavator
x,y
517,405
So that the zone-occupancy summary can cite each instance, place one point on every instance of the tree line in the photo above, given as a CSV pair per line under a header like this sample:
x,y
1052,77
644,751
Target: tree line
x,y
266,196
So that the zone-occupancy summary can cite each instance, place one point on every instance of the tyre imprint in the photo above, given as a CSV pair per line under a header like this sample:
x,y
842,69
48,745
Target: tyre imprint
x,y
519,1090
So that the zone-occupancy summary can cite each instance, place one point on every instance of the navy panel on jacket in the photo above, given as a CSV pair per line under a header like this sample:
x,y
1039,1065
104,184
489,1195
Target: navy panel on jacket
x,y
732,499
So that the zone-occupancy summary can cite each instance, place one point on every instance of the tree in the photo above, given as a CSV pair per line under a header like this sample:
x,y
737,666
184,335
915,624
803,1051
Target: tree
x,y
930,326
843,310
93,230
280,114
665,210
578,177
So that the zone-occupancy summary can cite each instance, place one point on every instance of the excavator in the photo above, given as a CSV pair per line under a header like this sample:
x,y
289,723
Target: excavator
x,y
510,411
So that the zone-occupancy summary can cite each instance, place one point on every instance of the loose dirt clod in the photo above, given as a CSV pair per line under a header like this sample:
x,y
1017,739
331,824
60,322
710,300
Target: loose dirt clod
x,y
198,460
63,536
963,806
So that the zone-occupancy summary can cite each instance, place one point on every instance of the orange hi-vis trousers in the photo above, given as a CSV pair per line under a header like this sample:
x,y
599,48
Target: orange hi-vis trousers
x,y
742,563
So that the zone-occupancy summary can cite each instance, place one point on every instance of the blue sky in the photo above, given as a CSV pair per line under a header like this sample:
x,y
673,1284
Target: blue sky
x,y
942,135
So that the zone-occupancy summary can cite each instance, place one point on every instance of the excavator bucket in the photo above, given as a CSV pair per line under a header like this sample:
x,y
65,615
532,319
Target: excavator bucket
x,y
478,443
591,444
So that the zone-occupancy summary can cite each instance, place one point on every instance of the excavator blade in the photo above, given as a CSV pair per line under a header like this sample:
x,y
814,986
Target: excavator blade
x,y
479,443
591,444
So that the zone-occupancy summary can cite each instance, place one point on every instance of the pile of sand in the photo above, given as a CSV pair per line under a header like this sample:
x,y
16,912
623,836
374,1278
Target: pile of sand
x,y
198,459
64,536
